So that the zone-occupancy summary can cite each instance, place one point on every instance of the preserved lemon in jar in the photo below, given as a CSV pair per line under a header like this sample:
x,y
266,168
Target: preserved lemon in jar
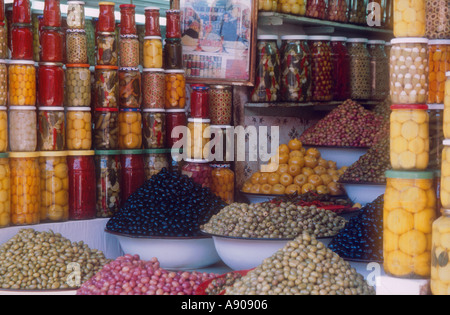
x,y
409,18
198,139
268,5
445,176
409,132
446,124
5,191
79,128
409,212
440,264
130,129
153,52
223,182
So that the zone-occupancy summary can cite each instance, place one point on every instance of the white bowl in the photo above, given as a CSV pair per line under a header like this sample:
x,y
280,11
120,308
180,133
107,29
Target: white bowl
x,y
343,156
172,253
364,193
259,198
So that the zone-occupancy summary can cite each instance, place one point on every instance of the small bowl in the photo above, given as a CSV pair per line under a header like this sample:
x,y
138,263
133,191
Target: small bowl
x,y
343,156
173,253
364,193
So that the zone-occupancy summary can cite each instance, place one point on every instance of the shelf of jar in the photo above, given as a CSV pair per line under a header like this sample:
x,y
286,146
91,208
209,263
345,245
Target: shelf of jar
x,y
318,106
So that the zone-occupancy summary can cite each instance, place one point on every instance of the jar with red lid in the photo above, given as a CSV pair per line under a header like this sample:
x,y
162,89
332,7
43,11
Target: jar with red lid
x,y
106,129
174,118
82,185
106,19
153,88
52,44
51,134
152,25
199,171
220,104
316,9
199,101
52,13
340,59
133,172
51,84
108,173
130,88
21,12
3,41
154,128
173,26
106,87
128,19
22,42
107,49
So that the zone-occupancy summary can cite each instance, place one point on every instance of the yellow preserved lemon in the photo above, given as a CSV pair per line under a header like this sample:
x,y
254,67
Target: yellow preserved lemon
x,y
423,220
414,199
400,221
422,265
390,241
398,263
413,243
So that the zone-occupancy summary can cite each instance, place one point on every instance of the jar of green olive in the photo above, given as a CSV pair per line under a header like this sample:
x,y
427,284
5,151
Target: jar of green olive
x,y
78,85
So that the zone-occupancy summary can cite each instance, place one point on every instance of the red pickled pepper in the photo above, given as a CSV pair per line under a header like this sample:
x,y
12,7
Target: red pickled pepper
x,y
21,12
51,87
106,19
2,10
22,43
341,71
52,43
52,13
128,19
133,174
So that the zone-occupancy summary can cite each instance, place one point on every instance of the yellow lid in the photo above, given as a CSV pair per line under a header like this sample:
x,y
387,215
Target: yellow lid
x,y
80,152
106,3
23,154
52,153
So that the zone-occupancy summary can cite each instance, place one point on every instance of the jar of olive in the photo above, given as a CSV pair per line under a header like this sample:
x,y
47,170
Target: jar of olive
x,y
78,85
359,68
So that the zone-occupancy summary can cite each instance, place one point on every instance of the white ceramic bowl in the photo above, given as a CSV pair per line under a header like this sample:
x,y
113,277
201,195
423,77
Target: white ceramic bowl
x,y
364,193
341,155
172,253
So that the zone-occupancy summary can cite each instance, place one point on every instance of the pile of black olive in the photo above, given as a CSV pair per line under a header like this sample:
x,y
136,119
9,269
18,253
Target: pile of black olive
x,y
362,237
167,205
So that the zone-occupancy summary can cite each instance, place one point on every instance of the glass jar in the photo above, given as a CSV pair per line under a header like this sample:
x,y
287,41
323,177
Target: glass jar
x,y
360,79
446,124
133,172
152,25
52,45
78,85
51,84
440,270
82,185
199,171
130,88
3,129
268,75
108,172
439,64
437,21
220,104
107,49
54,183
340,59
154,128
79,128
295,7
22,83
268,5
106,128
3,83
223,182
174,118
445,175
337,11
25,188
5,191
357,13
295,69
106,87
22,128
129,51
130,129
52,13
321,69
316,9
21,12
22,42
153,52
222,143
3,41
436,133
409,18
128,19
155,160
106,19
198,138
173,26
175,89
199,101
76,43
51,129
76,18
153,88
379,70
173,54
410,141
409,71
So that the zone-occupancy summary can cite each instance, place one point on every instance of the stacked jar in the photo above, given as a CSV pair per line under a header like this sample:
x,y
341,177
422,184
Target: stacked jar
x,y
21,34
360,70
340,59
379,70
4,53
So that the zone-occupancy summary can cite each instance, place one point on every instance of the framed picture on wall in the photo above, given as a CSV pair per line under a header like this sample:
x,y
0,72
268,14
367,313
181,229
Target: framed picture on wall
x,y
219,40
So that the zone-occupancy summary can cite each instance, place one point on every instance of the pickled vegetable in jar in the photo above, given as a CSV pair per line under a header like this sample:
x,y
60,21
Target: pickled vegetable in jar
x,y
106,87
106,19
340,59
337,10
445,175
409,212
51,129
436,133
440,265
379,70
106,128
321,68
107,49
152,25
22,128
173,54
153,52
173,24
3,41
174,118
21,12
155,160
220,104
82,185
130,88
79,128
439,64
295,7
3,129
199,171
133,172
437,21
316,9
154,128
198,138
357,13
295,69
360,78
54,182
175,89
223,182
52,45
22,83
76,18
22,42
268,74
108,174
199,101
76,43
25,188
129,51
130,128
409,70
3,83
128,19
52,13
51,84
5,191
78,85
409,18
153,88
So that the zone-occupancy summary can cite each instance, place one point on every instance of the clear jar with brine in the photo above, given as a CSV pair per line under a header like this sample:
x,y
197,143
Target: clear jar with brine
x,y
153,88
106,87
22,128
107,49
76,46
78,85
79,128
130,88
76,18
409,18
129,51
22,83
153,52
379,70
440,264
130,129
199,171
106,128
51,129
321,68
357,12
359,68
154,128
5,191
439,64
223,182
155,160
108,174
